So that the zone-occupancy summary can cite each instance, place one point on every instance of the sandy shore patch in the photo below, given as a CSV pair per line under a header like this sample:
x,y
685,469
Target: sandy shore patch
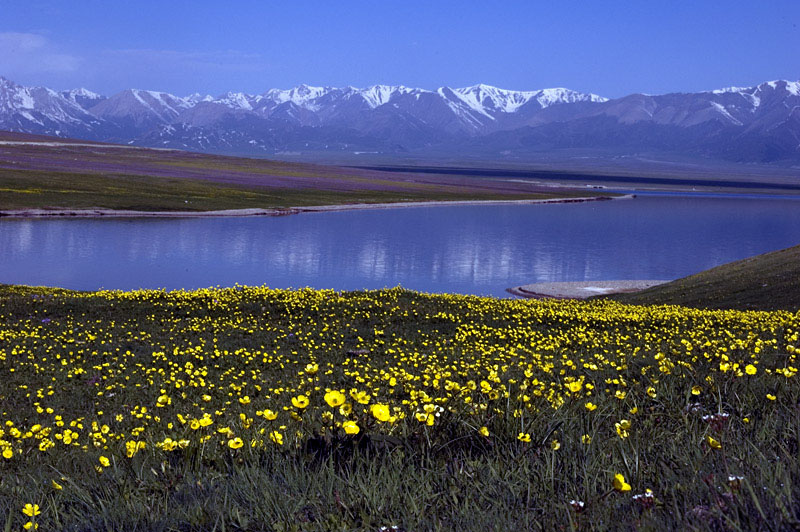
x,y
581,289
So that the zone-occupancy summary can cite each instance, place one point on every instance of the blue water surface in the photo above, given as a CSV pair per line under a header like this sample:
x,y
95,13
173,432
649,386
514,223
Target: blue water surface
x,y
463,249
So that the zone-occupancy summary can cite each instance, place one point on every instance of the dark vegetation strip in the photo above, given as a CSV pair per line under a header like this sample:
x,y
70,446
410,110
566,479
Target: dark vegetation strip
x,y
567,176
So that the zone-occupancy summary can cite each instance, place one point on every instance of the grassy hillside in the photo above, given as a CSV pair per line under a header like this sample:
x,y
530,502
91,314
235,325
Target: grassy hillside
x,y
46,172
765,282
274,410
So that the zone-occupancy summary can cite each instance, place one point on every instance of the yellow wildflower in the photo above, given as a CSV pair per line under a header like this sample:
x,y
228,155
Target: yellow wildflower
x,y
381,412
31,510
334,398
350,427
620,484
301,401
360,397
163,400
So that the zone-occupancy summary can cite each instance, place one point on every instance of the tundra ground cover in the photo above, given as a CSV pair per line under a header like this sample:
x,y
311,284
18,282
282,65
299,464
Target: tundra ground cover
x,y
259,409
84,176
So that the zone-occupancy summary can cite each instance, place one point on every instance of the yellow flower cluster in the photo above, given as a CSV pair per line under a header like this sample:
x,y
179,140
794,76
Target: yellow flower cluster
x,y
230,369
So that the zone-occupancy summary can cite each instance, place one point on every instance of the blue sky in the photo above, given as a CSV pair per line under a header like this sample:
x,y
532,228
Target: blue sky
x,y
608,47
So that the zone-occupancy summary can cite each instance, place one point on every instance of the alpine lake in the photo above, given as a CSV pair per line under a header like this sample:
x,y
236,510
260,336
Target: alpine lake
x,y
481,250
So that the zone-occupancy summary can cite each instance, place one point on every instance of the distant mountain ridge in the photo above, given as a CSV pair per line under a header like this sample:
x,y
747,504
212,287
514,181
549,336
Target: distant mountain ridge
x,y
751,124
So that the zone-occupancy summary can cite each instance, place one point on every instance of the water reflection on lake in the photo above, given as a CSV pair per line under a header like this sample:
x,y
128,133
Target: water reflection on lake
x,y
465,249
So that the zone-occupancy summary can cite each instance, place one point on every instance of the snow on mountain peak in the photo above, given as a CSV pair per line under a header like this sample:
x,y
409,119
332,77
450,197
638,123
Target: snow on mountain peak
x,y
548,97
17,97
792,87
197,98
404,117
754,94
487,99
731,89
37,105
81,92
309,90
377,95
302,95
234,100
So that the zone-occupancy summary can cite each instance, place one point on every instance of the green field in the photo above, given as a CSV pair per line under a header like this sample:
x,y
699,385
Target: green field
x,y
259,409
764,282
76,176
29,189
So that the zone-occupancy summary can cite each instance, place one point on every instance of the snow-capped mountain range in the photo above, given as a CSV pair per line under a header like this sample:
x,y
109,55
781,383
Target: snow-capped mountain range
x,y
760,123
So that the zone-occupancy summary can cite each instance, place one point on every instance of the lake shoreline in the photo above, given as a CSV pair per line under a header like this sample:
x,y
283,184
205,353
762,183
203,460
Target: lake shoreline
x,y
581,289
112,213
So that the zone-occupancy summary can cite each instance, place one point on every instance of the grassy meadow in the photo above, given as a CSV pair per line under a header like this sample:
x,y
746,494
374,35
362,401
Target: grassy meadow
x,y
78,190
51,173
770,281
257,409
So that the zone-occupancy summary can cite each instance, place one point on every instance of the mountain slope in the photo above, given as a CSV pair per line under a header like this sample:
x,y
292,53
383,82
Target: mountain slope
x,y
139,111
752,124
43,110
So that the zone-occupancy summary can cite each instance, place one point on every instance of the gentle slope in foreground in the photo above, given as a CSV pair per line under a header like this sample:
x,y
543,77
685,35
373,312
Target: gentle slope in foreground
x,y
764,282
274,410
